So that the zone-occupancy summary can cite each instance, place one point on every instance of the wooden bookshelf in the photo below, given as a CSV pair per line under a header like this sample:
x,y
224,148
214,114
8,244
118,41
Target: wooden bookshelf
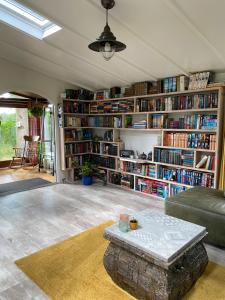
x,y
218,111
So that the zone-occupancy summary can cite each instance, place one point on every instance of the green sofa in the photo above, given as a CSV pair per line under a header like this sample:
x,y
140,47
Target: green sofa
x,y
202,206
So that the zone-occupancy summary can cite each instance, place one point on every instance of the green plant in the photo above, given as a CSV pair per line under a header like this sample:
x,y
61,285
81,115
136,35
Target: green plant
x,y
87,169
36,111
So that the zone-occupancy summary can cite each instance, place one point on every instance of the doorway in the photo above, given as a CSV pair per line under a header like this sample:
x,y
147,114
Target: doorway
x,y
27,137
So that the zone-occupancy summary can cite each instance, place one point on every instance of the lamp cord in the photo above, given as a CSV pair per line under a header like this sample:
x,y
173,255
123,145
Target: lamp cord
x,y
107,13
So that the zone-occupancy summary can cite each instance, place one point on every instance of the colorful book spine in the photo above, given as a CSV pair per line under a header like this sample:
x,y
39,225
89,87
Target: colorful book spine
x,y
190,140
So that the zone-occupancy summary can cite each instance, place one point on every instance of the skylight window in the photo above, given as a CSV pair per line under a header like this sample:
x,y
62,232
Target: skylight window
x,y
26,20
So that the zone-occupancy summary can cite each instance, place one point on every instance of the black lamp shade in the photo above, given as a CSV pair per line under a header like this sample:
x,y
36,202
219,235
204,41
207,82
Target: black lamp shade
x,y
107,37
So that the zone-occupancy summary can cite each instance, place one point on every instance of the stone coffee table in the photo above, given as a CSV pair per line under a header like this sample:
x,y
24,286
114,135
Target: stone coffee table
x,y
160,260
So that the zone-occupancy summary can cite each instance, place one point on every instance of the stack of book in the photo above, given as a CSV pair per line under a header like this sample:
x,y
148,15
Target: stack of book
x,y
176,157
190,140
122,106
140,124
155,188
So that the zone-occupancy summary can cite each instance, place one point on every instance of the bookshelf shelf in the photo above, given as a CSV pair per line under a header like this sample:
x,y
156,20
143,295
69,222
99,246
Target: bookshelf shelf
x,y
203,110
81,141
184,167
211,102
188,149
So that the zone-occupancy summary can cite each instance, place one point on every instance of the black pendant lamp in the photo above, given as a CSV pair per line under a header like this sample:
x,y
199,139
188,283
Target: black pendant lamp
x,y
107,43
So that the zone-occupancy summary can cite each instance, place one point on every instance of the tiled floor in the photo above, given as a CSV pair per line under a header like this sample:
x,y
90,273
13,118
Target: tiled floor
x,y
10,175
30,221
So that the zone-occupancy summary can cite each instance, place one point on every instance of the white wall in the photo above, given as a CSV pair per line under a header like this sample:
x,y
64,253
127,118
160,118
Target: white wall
x,y
16,78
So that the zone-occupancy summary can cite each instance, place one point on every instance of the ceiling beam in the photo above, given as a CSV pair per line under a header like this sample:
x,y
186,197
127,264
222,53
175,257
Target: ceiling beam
x,y
88,39
179,13
46,60
140,38
59,78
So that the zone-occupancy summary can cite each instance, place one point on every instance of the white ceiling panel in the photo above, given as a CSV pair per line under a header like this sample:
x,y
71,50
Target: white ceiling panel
x,y
163,38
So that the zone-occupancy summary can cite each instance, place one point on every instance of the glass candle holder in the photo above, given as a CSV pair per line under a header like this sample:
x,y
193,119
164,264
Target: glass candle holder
x,y
124,222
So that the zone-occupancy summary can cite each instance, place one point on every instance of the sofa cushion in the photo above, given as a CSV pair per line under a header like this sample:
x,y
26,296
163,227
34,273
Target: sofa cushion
x,y
206,199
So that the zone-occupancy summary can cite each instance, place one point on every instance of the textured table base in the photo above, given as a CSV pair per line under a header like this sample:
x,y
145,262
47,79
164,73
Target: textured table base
x,y
148,281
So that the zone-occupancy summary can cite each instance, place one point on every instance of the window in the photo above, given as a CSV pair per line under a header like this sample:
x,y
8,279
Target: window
x,y
26,20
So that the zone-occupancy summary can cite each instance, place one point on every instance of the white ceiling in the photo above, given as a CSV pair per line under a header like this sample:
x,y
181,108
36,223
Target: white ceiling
x,y
163,38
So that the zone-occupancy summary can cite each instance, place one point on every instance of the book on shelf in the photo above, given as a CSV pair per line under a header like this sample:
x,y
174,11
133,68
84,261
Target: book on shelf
x,y
72,135
127,181
114,178
75,107
176,157
175,189
72,121
142,124
106,162
195,121
199,80
110,149
190,140
152,187
120,106
71,149
187,177
158,121
184,102
144,169
105,121
206,162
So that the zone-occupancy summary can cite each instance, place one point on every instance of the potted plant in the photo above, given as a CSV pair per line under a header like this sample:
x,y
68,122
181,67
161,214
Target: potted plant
x,y
87,171
36,111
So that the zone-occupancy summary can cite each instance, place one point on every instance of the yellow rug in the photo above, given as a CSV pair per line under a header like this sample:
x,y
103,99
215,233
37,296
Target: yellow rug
x,y
73,270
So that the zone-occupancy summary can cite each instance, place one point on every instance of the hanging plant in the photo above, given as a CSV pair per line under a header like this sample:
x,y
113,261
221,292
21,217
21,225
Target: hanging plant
x,y
36,111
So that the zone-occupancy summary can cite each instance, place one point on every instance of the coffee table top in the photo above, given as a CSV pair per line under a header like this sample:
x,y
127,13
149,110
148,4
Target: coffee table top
x,y
159,236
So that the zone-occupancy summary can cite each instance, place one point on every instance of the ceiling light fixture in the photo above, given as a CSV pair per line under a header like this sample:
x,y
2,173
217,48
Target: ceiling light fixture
x,y
107,43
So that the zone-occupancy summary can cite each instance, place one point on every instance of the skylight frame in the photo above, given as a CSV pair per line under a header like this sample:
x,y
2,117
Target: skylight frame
x,y
26,20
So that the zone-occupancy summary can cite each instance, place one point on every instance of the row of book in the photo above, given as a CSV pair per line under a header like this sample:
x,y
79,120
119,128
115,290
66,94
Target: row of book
x,y
107,162
110,149
190,140
137,168
176,157
78,135
75,107
114,178
188,177
127,181
105,121
75,161
75,121
195,121
181,102
71,149
207,162
176,189
122,106
152,187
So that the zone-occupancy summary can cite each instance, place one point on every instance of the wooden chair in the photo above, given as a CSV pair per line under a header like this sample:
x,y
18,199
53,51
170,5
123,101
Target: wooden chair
x,y
27,154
